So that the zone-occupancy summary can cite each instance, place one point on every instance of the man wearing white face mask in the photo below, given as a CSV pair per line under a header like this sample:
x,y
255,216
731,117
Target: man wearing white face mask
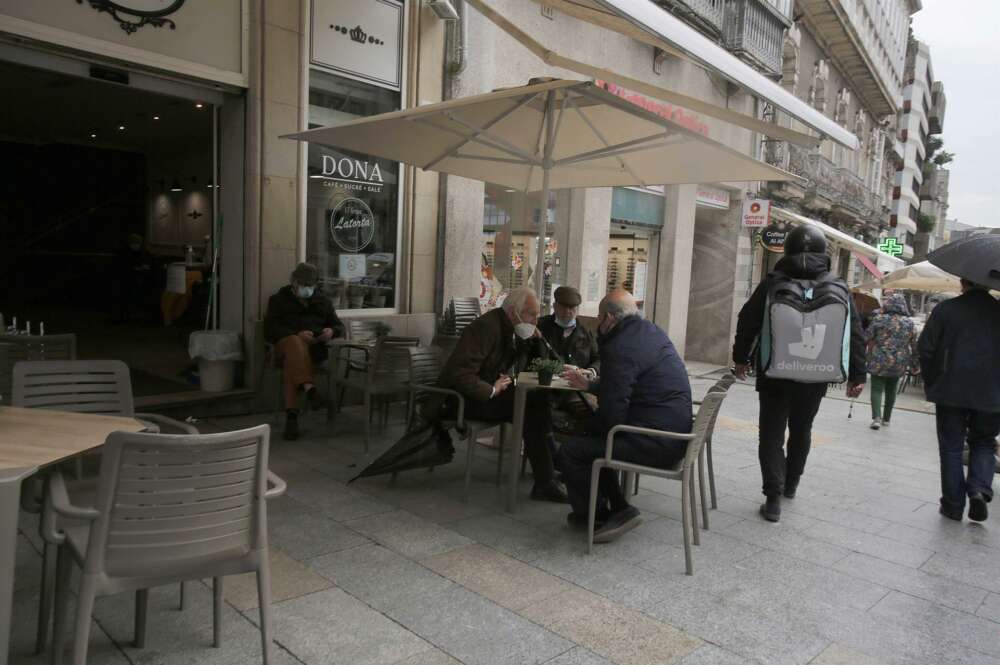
x,y
576,346
491,350
300,320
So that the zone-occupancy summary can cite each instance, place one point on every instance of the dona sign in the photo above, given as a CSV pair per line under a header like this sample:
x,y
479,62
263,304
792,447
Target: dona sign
x,y
353,173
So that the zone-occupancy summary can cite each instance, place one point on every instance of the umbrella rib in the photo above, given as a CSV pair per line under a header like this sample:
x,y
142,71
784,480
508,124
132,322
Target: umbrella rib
x,y
458,146
634,145
471,139
480,133
603,140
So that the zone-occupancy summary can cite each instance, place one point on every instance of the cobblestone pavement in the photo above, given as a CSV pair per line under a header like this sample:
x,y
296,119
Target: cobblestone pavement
x,y
860,570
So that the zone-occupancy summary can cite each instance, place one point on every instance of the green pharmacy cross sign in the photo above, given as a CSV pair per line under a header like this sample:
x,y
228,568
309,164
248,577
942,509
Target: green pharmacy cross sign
x,y
891,247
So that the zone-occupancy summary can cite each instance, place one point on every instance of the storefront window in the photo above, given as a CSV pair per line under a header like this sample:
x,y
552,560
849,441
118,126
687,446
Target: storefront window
x,y
510,243
352,204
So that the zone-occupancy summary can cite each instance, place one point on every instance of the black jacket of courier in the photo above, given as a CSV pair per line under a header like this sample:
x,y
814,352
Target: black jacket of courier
x,y
287,315
751,320
960,352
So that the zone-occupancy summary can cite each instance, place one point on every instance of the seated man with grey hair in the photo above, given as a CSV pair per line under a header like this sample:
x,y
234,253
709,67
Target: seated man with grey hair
x,y
643,382
491,350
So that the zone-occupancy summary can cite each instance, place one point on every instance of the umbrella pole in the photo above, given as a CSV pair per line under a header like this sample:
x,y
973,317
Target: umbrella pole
x,y
543,218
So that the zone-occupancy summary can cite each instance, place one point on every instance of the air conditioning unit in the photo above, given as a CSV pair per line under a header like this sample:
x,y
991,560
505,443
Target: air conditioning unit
x,y
444,9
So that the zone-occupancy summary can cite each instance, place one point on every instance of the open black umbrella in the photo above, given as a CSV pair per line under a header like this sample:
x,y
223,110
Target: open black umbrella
x,y
976,259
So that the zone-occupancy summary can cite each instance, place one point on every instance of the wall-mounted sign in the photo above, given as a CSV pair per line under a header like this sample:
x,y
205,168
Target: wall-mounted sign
x,y
133,14
352,224
712,197
756,213
360,39
772,237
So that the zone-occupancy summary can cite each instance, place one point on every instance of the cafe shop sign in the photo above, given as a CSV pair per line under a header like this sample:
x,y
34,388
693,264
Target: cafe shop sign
x,y
352,224
359,39
773,236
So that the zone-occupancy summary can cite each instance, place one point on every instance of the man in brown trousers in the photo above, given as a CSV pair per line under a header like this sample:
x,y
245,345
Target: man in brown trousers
x,y
491,351
300,320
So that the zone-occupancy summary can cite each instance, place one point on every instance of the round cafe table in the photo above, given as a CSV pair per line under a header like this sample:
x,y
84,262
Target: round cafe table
x,y
523,384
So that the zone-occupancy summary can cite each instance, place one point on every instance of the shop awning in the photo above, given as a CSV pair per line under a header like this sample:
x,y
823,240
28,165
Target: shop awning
x,y
869,266
645,21
587,10
839,237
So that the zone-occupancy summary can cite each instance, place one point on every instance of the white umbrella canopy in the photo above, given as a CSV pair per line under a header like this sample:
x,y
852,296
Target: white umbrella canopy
x,y
921,276
549,135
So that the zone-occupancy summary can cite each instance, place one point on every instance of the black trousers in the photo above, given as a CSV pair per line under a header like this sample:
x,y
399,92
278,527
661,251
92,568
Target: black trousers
x,y
786,405
576,459
537,426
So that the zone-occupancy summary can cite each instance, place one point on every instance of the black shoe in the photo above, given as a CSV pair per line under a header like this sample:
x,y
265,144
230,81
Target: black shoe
x,y
550,491
579,520
291,426
617,524
977,507
772,509
313,399
791,484
951,514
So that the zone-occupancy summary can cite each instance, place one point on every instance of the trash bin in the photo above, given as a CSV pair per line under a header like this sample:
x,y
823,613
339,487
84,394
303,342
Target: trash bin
x,y
217,352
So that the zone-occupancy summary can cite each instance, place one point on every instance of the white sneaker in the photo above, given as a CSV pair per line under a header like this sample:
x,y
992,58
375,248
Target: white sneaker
x,y
876,424
885,423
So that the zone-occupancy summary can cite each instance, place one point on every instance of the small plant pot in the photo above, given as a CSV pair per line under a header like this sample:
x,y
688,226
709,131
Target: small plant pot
x,y
545,378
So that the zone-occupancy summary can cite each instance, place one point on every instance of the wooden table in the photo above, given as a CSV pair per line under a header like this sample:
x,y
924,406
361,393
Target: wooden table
x,y
31,439
526,382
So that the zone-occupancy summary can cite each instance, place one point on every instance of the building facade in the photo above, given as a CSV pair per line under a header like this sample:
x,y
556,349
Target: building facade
x,y
847,59
920,194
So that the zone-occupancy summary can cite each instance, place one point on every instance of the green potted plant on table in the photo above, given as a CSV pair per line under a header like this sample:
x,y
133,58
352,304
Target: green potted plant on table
x,y
546,368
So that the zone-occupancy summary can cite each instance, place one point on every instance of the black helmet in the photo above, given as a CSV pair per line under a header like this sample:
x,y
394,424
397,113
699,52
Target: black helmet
x,y
805,238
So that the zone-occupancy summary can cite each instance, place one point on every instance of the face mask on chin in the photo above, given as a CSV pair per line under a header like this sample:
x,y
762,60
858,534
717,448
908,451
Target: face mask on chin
x,y
565,323
304,292
524,330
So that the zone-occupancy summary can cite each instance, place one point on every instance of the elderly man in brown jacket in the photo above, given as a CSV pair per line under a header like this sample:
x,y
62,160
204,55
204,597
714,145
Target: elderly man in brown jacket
x,y
492,349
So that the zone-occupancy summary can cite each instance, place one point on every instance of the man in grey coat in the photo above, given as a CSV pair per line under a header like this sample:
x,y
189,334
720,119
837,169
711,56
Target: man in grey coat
x,y
959,355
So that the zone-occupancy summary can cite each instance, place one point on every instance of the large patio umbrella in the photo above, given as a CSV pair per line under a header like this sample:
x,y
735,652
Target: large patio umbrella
x,y
976,258
548,135
922,276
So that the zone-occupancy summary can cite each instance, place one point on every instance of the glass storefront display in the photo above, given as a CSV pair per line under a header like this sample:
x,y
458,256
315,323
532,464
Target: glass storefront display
x,y
352,207
510,243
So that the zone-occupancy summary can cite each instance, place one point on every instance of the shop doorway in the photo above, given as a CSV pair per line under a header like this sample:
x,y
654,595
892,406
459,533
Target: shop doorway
x,y
108,199
630,257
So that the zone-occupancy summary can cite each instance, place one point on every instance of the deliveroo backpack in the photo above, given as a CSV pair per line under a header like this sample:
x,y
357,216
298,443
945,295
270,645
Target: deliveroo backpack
x,y
806,336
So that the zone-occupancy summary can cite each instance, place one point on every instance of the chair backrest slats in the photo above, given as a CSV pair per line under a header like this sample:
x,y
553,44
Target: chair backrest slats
x,y
704,424
86,386
169,499
463,311
391,360
363,330
425,365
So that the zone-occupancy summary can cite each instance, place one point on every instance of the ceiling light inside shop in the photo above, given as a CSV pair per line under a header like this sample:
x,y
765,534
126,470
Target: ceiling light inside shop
x,y
93,135
121,128
199,105
156,117
176,186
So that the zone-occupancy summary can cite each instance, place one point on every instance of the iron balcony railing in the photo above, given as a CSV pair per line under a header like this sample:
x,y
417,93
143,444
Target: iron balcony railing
x,y
707,15
755,31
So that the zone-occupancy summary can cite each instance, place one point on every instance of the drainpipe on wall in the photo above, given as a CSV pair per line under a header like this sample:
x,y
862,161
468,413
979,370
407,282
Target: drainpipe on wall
x,y
455,61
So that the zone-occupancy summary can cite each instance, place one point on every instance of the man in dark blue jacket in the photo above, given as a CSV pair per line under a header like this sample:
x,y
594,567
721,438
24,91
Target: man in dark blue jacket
x,y
959,356
643,382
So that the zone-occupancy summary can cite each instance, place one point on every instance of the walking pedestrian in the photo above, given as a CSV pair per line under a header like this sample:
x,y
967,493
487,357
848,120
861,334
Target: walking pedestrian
x,y
959,356
795,326
892,354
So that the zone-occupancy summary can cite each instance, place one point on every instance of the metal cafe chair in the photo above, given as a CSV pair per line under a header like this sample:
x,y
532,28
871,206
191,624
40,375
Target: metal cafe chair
x,y
683,471
425,368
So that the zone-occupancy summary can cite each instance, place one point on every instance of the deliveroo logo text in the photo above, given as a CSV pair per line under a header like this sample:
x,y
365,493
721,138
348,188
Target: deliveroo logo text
x,y
812,342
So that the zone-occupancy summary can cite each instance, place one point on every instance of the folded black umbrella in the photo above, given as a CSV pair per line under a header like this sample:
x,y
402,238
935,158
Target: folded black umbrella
x,y
424,445
976,258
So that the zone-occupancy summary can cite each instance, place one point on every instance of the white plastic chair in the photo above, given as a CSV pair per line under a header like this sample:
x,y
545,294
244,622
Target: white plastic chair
x,y
169,508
